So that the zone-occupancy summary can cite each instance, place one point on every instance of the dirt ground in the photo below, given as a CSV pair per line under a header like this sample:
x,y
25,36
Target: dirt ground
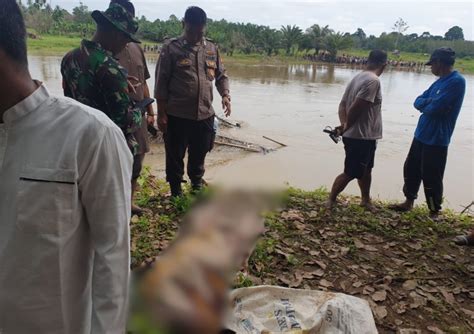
x,y
405,265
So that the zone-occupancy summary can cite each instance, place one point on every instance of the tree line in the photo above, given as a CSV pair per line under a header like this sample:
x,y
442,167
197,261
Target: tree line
x,y
249,38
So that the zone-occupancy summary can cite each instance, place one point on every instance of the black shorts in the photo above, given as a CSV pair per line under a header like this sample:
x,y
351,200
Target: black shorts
x,y
360,155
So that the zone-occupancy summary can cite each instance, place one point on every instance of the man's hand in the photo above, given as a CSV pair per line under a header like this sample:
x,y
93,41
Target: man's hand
x,y
340,129
133,84
226,105
162,122
151,120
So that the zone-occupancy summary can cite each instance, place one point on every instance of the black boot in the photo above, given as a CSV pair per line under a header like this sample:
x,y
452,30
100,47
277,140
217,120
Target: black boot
x,y
176,189
197,186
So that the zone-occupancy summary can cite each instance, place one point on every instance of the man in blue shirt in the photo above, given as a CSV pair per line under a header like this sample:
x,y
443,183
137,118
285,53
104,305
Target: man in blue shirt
x,y
439,107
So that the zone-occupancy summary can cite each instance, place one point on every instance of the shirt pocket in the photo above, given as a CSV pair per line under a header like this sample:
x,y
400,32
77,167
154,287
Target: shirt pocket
x,y
45,201
211,69
141,73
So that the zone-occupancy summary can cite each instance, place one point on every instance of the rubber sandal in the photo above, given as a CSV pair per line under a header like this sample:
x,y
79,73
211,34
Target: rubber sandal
x,y
464,240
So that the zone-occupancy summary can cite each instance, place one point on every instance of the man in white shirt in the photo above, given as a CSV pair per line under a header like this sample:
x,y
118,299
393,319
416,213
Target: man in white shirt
x,y
360,113
65,173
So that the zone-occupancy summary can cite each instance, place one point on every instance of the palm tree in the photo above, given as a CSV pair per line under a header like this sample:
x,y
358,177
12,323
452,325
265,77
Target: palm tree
x,y
317,35
336,42
291,35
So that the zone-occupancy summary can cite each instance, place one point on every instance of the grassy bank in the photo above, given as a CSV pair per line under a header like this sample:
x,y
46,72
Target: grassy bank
x,y
58,45
404,265
52,45
465,65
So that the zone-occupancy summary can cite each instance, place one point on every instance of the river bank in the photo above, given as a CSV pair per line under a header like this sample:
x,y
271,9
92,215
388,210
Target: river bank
x,y
293,104
404,265
48,45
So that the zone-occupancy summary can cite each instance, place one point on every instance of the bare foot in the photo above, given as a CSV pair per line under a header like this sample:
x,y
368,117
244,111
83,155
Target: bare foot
x,y
330,204
367,205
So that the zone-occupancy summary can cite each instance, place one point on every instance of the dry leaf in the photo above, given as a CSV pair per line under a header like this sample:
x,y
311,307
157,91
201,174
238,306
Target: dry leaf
x,y
284,281
343,285
379,296
435,330
358,244
297,281
325,283
429,289
469,313
400,308
299,226
345,250
410,285
371,248
357,284
380,312
321,264
447,295
415,246
368,290
417,300
293,215
318,272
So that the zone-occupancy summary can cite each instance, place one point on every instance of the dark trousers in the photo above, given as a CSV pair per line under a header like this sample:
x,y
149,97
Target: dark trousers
x,y
425,163
197,137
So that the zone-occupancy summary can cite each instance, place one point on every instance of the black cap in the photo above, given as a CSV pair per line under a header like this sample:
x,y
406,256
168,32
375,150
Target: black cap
x,y
444,55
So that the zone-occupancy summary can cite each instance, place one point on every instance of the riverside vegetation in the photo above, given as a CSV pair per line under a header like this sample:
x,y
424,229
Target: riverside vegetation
x,y
58,30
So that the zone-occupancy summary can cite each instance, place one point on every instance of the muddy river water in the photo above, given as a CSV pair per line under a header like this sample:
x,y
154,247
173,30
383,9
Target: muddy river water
x,y
292,104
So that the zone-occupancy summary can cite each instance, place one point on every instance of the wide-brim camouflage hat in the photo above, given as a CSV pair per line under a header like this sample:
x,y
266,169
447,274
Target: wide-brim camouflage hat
x,y
120,18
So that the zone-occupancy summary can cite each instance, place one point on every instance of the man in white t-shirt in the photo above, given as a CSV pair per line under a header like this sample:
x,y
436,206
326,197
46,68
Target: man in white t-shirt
x,y
361,126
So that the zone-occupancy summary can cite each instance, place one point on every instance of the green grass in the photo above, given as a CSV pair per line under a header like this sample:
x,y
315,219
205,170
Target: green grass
x,y
52,45
57,45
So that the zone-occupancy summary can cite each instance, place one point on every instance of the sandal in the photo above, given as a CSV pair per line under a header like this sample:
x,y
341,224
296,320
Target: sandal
x,y
464,240
137,211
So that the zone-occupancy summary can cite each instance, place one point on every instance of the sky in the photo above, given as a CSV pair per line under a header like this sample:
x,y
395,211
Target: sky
x,y
373,17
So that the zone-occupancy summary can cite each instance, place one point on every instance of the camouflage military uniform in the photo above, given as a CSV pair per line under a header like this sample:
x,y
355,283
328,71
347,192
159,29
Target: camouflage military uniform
x,y
93,77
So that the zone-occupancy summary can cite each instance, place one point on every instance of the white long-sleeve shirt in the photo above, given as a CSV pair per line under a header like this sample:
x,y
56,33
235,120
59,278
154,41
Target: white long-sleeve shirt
x,y
65,172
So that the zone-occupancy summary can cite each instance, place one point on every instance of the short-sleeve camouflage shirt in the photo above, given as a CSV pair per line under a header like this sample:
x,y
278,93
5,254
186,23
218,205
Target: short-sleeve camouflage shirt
x,y
92,76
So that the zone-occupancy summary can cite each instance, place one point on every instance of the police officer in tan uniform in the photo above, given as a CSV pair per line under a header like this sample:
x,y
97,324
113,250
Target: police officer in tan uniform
x,y
186,71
